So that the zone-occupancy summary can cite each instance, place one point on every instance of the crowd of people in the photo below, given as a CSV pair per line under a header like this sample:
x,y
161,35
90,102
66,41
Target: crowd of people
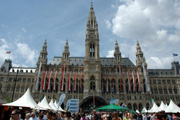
x,y
17,114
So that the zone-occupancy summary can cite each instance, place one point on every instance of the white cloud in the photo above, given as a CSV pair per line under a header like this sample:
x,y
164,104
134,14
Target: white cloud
x,y
155,23
27,53
110,53
3,49
155,62
21,53
108,24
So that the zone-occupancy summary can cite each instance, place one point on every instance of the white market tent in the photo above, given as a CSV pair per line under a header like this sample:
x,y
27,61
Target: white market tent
x,y
44,104
55,103
173,108
162,107
144,110
51,104
154,108
60,109
137,111
25,101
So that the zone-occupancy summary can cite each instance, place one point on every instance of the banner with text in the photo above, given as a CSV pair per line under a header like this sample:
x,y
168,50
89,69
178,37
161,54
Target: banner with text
x,y
73,105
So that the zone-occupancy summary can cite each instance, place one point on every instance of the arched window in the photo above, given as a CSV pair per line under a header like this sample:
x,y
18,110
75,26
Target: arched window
x,y
22,88
120,85
175,90
140,107
170,90
129,106
127,88
165,91
144,87
134,107
137,85
8,87
56,89
113,86
17,88
155,90
147,106
31,88
0,87
160,90
92,50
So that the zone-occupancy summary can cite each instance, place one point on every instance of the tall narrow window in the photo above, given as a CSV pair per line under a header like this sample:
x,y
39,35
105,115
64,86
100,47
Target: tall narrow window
x,y
92,50
92,24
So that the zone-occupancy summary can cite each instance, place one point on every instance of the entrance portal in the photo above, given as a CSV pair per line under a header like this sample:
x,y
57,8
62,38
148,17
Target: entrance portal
x,y
87,104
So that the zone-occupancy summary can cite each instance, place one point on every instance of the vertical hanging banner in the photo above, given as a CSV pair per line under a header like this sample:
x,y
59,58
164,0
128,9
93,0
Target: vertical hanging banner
x,y
74,87
139,81
102,80
134,82
39,71
69,82
107,89
120,77
62,77
80,82
54,81
49,81
129,81
144,71
61,99
44,80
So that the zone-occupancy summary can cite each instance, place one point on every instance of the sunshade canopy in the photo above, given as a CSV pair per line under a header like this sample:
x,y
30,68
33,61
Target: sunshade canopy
x,y
112,107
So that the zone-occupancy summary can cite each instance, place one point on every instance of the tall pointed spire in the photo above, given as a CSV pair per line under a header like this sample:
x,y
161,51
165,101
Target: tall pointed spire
x,y
66,53
92,36
92,26
139,56
117,53
43,55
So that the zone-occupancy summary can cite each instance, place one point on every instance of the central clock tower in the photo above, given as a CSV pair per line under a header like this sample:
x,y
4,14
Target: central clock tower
x,y
92,70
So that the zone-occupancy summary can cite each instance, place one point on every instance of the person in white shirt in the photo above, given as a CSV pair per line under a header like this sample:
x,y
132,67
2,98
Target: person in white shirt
x,y
33,116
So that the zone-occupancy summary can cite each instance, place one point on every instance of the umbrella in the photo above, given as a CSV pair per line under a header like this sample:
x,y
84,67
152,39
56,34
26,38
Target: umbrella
x,y
112,108
132,111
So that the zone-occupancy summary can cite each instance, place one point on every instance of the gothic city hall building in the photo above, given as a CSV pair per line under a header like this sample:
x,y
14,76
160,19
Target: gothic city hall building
x,y
92,79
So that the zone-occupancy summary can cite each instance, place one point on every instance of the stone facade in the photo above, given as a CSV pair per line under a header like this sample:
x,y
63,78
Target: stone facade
x,y
104,78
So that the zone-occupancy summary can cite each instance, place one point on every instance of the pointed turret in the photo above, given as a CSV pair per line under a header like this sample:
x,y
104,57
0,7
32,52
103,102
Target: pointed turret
x,y
92,36
117,53
92,26
43,55
139,57
65,55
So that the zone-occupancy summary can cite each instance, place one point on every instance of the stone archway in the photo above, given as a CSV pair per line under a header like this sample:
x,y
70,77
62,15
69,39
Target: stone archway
x,y
88,102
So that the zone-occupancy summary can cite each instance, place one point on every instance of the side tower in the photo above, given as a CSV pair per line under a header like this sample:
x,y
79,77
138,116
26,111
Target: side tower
x,y
66,53
140,58
117,54
92,73
42,59
141,66
43,56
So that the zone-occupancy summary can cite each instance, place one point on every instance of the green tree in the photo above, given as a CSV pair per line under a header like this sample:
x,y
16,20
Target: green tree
x,y
8,98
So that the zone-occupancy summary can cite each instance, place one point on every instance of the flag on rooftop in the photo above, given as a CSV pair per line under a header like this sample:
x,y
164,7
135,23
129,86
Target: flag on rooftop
x,y
8,52
174,54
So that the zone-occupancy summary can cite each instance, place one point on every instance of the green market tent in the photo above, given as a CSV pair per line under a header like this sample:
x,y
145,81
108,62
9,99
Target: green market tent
x,y
132,111
112,107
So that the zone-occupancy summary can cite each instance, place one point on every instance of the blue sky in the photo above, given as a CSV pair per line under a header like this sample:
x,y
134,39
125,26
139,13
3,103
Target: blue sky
x,y
25,24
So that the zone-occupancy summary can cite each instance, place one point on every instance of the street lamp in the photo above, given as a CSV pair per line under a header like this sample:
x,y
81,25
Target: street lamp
x,y
15,83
